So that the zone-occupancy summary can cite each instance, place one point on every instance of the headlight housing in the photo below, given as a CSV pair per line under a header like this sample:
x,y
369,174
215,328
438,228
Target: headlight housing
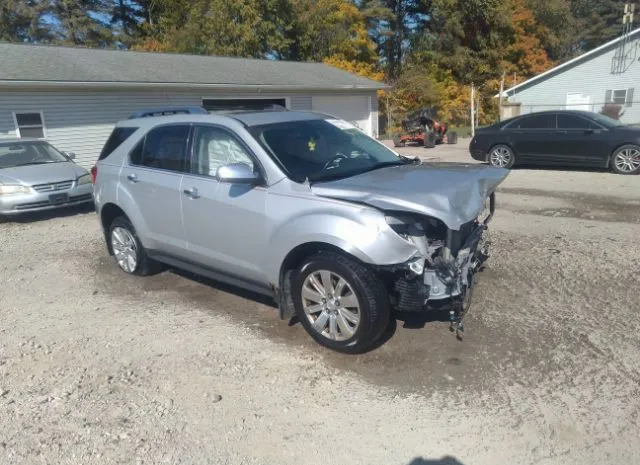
x,y
84,179
11,189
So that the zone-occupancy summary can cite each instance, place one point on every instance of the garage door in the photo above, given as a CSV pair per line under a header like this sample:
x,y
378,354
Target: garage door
x,y
354,109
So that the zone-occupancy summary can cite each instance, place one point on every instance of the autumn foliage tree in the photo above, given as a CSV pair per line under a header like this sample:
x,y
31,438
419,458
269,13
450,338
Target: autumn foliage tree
x,y
526,55
428,52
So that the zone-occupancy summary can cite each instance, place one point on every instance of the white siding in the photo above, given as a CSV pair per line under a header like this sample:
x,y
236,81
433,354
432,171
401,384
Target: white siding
x,y
81,121
591,78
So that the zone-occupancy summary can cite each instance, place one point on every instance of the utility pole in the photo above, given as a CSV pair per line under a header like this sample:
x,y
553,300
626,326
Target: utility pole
x,y
473,110
500,96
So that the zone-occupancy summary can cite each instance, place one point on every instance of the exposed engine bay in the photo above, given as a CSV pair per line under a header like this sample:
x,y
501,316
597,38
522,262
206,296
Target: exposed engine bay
x,y
441,275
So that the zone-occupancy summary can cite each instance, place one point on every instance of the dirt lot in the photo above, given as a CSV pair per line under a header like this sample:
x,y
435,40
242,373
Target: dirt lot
x,y
97,367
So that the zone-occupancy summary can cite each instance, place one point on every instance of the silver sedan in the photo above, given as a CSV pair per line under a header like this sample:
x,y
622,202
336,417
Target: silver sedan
x,y
35,176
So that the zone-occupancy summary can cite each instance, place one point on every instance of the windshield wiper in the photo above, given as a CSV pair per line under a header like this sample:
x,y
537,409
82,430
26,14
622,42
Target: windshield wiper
x,y
415,160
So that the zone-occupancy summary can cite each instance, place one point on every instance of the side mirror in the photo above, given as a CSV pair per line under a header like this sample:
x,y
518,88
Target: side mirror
x,y
593,131
70,155
237,173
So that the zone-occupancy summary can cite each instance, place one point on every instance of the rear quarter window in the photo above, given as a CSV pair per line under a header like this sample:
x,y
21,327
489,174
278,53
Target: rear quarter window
x,y
117,137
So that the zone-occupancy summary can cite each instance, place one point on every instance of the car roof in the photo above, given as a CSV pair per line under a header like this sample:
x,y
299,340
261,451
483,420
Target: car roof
x,y
246,118
548,112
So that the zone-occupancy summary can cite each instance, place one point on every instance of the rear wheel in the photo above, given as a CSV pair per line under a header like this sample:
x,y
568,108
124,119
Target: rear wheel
x,y
501,156
397,142
127,249
341,303
429,139
626,160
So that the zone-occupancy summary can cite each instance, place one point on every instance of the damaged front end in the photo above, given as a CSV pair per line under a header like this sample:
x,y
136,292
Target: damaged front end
x,y
441,275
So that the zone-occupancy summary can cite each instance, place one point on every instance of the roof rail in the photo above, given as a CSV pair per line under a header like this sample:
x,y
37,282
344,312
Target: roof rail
x,y
162,111
242,109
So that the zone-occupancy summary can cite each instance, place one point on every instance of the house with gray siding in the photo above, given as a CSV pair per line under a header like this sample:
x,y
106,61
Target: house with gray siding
x,y
72,97
609,74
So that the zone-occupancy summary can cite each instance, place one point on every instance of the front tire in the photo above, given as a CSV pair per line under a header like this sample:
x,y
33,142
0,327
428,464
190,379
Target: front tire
x,y
341,303
626,160
501,156
128,251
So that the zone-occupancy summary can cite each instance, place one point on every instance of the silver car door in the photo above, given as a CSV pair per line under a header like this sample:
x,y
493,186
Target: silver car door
x,y
224,222
151,181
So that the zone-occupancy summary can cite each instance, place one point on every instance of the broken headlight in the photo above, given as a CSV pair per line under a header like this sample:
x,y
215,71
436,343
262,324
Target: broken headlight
x,y
405,226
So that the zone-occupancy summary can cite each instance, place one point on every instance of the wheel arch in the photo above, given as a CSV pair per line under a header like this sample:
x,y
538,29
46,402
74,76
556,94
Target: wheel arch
x,y
292,261
108,213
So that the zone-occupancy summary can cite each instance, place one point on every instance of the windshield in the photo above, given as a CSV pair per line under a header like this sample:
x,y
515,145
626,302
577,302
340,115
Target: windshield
x,y
606,120
320,150
28,153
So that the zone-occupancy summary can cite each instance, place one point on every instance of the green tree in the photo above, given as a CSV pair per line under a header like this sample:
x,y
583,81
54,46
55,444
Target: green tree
x,y
21,21
328,28
557,27
598,21
391,24
468,37
78,22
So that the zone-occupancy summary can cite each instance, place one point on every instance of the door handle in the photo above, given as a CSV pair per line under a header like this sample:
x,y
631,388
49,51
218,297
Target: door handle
x,y
132,177
193,193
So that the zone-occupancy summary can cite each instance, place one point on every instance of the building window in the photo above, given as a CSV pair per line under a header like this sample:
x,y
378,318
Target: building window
x,y
29,125
620,97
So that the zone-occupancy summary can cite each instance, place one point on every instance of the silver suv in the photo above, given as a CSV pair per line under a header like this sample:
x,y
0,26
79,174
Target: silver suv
x,y
341,230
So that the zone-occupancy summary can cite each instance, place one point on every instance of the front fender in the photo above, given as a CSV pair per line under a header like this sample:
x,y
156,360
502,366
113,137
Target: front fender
x,y
363,235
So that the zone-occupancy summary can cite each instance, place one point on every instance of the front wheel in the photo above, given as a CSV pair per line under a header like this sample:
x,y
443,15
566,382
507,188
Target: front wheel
x,y
501,156
341,303
626,160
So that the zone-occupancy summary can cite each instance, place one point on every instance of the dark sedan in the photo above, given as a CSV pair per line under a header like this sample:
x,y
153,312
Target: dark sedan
x,y
567,138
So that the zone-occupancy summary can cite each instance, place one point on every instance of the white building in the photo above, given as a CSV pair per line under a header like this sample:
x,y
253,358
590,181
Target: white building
x,y
608,74
73,96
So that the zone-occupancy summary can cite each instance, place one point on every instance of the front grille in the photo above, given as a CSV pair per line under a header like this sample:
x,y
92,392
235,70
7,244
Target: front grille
x,y
79,198
45,203
53,186
26,206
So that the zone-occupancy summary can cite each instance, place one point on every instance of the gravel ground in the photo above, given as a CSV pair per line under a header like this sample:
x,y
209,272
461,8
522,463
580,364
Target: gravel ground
x,y
97,367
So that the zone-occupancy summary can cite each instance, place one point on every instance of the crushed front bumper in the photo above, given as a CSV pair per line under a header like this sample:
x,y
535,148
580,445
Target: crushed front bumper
x,y
445,282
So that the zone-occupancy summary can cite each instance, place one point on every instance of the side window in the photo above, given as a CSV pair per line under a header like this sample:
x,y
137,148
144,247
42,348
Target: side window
x,y
136,154
117,137
213,148
536,122
573,122
163,148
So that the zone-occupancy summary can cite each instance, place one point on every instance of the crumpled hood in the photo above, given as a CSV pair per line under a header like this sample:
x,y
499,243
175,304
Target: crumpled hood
x,y
453,193
40,174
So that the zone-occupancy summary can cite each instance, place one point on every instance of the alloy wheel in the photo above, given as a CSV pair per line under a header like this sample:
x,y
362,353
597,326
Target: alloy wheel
x,y
331,305
500,157
125,249
627,160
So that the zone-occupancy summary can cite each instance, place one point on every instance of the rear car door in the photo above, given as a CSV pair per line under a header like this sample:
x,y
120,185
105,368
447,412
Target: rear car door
x,y
152,178
530,135
581,141
224,222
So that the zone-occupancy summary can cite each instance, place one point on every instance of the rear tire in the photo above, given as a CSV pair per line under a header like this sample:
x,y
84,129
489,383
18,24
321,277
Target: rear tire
x,y
501,156
429,140
626,160
397,142
131,257
356,308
